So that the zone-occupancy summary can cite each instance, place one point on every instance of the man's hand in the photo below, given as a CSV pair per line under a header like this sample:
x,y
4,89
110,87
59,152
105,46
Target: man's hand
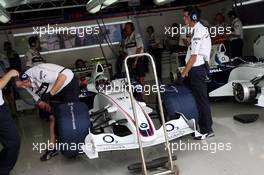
x,y
180,81
44,106
188,66
184,74
13,73
134,64
6,78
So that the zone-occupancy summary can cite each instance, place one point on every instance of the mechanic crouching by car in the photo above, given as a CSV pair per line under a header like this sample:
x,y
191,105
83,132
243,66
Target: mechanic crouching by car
x,y
50,84
196,69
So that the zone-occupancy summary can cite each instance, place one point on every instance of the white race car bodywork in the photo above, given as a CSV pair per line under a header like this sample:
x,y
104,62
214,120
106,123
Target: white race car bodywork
x,y
119,107
218,55
242,74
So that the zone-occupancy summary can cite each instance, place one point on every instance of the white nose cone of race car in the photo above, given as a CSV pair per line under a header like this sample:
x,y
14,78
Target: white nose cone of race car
x,y
146,127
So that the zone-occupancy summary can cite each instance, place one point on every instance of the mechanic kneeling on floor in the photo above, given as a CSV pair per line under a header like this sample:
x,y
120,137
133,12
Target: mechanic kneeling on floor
x,y
196,69
50,85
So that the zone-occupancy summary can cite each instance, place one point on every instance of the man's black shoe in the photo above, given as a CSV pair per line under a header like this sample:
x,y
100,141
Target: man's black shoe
x,y
49,154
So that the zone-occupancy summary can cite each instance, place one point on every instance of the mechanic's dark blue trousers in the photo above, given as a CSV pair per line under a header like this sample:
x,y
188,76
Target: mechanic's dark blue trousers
x,y
197,76
10,140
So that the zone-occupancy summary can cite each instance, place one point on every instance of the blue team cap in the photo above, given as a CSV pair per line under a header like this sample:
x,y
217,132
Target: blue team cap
x,y
23,76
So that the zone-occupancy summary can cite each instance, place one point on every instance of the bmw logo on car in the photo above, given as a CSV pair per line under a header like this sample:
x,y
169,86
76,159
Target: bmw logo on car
x,y
143,125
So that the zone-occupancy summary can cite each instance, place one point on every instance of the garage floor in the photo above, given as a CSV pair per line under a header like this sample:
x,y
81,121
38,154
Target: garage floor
x,y
245,158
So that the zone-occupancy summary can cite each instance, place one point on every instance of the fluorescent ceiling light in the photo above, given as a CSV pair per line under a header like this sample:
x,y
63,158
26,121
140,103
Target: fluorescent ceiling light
x,y
94,6
4,15
3,3
95,9
162,2
4,19
109,2
247,2
253,26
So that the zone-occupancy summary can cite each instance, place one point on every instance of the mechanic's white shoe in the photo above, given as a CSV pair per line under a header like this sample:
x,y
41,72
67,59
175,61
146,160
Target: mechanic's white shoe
x,y
205,136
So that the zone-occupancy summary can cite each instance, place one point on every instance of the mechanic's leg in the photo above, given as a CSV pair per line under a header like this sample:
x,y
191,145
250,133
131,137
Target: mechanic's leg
x,y
205,119
199,89
240,47
9,96
119,66
11,103
52,132
10,140
142,80
52,149
158,63
236,46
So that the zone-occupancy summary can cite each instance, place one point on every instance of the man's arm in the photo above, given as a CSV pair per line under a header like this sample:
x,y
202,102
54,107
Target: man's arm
x,y
51,76
157,42
137,52
237,31
42,105
140,46
189,65
6,78
58,84
36,98
195,47
185,42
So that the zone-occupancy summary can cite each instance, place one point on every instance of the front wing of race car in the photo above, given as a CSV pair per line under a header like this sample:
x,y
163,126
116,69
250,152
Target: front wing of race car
x,y
110,142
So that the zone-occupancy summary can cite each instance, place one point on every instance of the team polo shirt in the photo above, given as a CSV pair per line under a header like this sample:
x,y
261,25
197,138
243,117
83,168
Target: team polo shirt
x,y
132,43
44,76
33,58
200,45
237,29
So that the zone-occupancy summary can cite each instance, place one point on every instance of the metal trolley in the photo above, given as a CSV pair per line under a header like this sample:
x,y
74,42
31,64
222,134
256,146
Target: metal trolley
x,y
171,167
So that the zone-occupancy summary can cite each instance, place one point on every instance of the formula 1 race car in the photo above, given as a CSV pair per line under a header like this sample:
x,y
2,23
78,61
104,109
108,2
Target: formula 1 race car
x,y
245,83
221,66
113,122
